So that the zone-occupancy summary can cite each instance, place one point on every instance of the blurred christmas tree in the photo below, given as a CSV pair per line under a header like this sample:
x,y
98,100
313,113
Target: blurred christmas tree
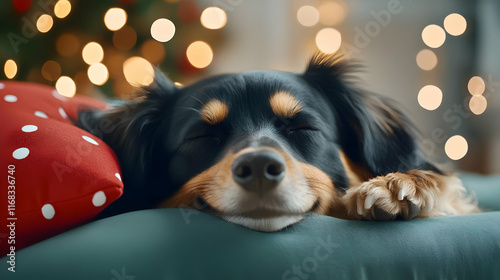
x,y
98,46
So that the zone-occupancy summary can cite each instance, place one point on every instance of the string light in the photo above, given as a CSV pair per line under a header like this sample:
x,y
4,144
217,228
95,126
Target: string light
x,y
476,85
328,40
162,30
98,74
44,23
199,54
51,70
138,71
430,97
115,18
213,18
331,13
92,53
10,69
426,59
62,8
433,36
455,24
478,104
308,16
456,147
66,86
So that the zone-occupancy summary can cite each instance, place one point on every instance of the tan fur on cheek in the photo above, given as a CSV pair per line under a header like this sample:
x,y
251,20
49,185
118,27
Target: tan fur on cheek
x,y
197,186
329,197
209,184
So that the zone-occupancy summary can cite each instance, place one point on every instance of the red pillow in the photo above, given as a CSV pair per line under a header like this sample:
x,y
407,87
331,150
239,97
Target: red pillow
x,y
55,175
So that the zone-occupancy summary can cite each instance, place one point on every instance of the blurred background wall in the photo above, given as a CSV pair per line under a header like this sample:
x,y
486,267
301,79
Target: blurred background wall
x,y
438,59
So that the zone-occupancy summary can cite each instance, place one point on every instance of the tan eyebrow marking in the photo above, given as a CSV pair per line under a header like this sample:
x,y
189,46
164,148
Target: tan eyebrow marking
x,y
284,104
214,111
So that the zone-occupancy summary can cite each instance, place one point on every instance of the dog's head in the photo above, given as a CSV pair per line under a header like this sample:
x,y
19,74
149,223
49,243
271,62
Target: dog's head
x,y
261,149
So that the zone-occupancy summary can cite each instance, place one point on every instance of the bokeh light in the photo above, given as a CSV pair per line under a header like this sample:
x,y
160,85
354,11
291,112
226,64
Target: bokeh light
x,y
199,54
456,147
433,36
430,97
115,18
455,24
51,70
98,74
92,53
328,40
153,51
213,18
67,44
10,69
62,8
66,86
308,15
125,38
44,23
478,104
138,71
163,30
331,13
426,59
476,85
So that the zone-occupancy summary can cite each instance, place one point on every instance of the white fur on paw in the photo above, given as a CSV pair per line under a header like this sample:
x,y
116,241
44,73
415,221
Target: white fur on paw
x,y
389,193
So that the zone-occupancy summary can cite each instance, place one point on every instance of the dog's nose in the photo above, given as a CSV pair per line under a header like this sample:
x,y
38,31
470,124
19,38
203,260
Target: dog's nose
x,y
259,171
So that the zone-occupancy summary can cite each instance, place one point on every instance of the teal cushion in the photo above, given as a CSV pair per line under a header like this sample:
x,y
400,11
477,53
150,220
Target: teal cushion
x,y
185,244
485,188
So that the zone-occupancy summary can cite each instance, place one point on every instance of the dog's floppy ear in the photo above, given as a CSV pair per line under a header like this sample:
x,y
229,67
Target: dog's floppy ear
x,y
131,129
135,131
371,131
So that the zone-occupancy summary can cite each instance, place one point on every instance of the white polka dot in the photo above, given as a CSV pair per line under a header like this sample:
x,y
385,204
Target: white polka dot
x,y
29,128
63,114
41,114
99,199
10,98
21,153
90,140
48,211
2,85
118,176
57,95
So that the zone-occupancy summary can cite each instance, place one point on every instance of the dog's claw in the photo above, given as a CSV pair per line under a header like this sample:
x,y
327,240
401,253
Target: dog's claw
x,y
369,201
402,194
359,209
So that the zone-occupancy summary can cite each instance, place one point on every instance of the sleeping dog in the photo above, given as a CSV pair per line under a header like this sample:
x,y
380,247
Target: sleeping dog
x,y
264,149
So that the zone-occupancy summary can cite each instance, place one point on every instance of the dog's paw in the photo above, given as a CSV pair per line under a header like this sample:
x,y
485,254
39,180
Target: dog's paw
x,y
389,197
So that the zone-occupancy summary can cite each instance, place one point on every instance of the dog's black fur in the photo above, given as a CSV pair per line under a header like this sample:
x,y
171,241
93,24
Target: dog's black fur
x,y
161,142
